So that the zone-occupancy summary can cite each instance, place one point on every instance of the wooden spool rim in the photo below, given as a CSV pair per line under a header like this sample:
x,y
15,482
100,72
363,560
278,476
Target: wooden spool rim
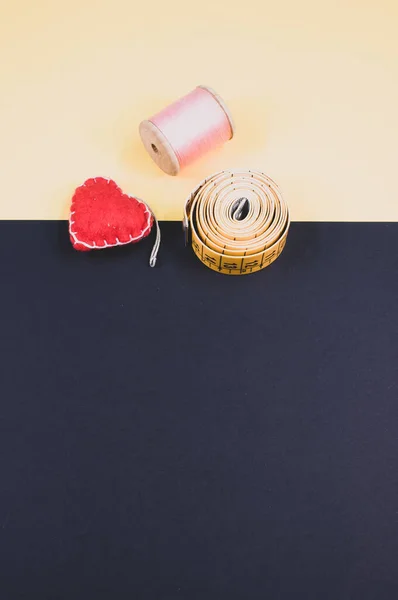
x,y
223,106
164,155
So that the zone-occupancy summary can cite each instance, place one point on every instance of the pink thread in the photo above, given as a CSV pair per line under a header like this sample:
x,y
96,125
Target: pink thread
x,y
194,125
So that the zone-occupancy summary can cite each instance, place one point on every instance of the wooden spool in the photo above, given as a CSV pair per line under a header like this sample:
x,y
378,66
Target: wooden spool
x,y
158,146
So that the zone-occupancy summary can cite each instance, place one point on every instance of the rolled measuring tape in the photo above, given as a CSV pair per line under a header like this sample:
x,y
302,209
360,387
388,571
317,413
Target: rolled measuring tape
x,y
237,221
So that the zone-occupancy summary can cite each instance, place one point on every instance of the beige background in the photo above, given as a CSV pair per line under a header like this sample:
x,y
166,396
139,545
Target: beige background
x,y
312,86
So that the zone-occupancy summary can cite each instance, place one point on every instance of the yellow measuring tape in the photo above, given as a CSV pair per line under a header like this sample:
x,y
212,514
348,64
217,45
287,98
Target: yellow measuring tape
x,y
238,221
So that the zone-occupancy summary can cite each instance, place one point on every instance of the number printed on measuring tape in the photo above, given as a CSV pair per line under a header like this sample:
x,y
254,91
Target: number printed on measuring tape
x,y
238,221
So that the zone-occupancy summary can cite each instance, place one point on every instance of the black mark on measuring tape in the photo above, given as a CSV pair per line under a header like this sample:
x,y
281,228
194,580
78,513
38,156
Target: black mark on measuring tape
x,y
281,246
230,266
252,264
210,259
270,257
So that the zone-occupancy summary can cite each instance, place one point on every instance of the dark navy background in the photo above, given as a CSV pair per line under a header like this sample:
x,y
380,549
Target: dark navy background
x,y
176,433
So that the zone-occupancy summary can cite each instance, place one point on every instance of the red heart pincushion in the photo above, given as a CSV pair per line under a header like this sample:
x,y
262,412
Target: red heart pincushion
x,y
102,216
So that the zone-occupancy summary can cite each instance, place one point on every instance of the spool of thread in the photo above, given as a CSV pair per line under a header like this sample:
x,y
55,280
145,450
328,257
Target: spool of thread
x,y
187,129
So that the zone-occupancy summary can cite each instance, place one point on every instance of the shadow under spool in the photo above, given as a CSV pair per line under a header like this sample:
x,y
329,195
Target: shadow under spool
x,y
187,129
